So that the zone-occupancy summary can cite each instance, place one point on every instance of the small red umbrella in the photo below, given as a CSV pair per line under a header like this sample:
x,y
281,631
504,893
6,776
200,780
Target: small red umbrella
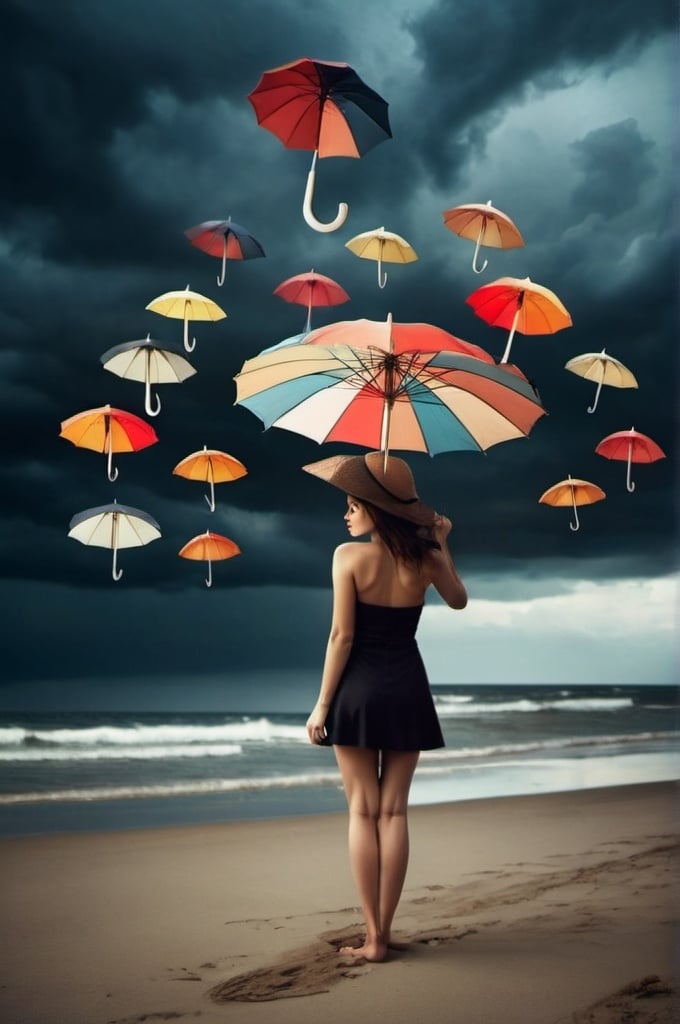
x,y
226,240
520,305
311,289
629,446
108,430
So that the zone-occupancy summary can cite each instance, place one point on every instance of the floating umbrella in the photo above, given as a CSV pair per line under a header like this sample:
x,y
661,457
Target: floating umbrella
x,y
572,492
186,305
629,446
484,225
211,466
600,367
416,401
383,246
209,547
520,305
149,361
324,107
311,289
226,240
114,526
108,430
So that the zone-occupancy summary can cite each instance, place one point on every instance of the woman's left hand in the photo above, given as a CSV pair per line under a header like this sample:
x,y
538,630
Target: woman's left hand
x,y
316,725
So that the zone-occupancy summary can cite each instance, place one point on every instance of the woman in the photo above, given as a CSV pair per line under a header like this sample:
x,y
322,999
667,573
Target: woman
x,y
374,703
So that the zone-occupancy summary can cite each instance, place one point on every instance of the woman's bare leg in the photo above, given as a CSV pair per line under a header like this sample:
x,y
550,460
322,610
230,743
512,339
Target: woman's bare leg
x,y
393,842
359,769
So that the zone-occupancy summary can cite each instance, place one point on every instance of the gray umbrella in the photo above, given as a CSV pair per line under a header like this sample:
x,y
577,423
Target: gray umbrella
x,y
148,361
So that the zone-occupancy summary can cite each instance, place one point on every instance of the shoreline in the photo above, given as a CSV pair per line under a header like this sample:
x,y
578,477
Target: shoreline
x,y
530,908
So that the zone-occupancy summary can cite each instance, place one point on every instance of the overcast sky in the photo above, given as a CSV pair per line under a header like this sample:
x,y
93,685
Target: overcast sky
x,y
127,123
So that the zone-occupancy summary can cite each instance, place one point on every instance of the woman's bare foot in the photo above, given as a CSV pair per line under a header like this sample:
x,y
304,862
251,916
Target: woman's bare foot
x,y
374,950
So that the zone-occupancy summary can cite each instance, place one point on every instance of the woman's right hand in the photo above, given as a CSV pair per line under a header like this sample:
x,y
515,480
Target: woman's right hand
x,y
316,725
441,528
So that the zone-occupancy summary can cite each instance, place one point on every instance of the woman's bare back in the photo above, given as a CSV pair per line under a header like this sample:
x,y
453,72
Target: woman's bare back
x,y
381,578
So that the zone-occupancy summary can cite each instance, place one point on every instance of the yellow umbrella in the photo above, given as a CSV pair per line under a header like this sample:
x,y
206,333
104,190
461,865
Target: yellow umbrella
x,y
186,305
211,466
484,225
209,547
572,491
598,366
383,246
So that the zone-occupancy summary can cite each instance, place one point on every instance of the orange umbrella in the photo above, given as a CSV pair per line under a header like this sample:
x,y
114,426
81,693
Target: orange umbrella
x,y
572,491
108,430
209,547
521,305
211,466
484,225
629,446
311,289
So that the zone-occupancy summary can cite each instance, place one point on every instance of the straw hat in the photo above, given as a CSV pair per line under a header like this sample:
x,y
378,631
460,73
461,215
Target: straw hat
x,y
365,477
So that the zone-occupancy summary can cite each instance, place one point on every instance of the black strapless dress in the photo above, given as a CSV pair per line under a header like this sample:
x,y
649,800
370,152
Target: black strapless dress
x,y
383,699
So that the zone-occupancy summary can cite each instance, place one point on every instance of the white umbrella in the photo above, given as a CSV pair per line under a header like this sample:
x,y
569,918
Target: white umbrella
x,y
114,526
148,361
602,368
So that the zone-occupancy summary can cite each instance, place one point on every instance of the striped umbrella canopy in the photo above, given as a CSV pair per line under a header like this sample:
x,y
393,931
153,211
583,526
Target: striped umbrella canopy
x,y
413,401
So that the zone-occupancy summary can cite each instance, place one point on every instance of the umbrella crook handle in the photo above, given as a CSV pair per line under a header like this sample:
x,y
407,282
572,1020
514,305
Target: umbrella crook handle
x,y
630,485
211,499
382,275
593,407
571,525
208,582
480,237
220,277
116,573
150,411
307,211
188,347
110,471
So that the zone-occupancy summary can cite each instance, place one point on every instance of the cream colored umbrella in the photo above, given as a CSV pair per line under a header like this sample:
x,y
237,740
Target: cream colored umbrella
x,y
186,305
603,369
383,246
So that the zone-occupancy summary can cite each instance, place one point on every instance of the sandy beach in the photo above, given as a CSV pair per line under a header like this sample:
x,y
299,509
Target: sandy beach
x,y
548,909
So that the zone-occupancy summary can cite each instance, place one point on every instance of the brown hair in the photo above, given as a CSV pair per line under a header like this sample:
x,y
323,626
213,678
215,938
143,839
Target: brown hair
x,y
404,539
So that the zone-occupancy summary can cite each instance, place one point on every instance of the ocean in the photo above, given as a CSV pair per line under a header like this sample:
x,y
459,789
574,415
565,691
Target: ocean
x,y
81,771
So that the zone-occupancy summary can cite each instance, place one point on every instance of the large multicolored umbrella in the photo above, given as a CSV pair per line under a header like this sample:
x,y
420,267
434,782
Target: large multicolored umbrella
x,y
226,240
393,337
519,305
629,446
311,289
415,401
114,526
484,225
603,369
212,467
209,547
186,305
572,492
148,361
324,107
383,247
108,430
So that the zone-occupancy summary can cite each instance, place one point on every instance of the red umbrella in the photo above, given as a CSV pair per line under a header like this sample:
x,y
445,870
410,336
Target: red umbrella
x,y
520,305
311,289
321,106
629,446
108,430
226,240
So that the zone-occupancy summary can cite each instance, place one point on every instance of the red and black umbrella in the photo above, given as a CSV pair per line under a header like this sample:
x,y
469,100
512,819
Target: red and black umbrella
x,y
324,107
226,240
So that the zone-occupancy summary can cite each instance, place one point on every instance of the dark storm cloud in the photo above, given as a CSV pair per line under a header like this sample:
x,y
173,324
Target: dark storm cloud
x,y
479,58
617,151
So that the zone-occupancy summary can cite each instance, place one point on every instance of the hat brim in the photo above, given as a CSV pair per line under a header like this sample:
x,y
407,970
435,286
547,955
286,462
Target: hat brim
x,y
349,473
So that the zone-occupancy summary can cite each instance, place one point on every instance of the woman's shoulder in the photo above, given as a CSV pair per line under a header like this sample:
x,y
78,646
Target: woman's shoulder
x,y
353,550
